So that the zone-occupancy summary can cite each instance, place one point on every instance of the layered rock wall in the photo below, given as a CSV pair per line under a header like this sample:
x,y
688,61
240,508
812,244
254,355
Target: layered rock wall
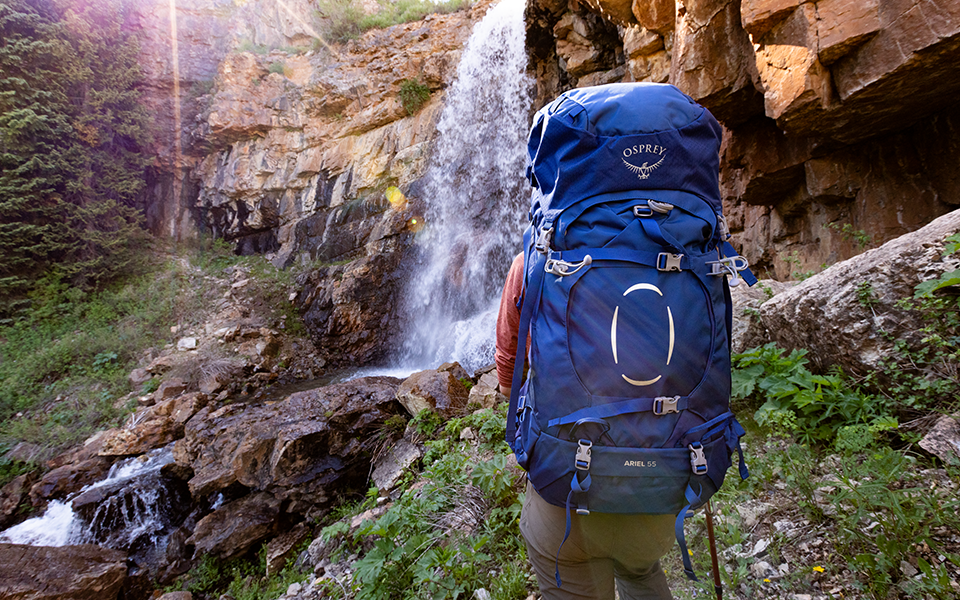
x,y
838,129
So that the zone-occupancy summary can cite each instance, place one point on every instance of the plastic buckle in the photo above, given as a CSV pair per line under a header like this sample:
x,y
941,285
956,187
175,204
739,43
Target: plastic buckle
x,y
563,268
669,262
731,265
583,455
698,460
642,210
724,228
663,208
665,405
544,239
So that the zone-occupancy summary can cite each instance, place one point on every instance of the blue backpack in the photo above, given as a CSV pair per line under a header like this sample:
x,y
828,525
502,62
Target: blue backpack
x,y
625,408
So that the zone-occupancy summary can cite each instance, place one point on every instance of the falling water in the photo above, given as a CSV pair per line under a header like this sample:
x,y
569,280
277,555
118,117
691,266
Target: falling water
x,y
128,508
475,196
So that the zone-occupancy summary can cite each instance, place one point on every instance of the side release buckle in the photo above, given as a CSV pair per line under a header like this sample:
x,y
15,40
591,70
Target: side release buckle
x,y
698,460
583,455
665,405
669,262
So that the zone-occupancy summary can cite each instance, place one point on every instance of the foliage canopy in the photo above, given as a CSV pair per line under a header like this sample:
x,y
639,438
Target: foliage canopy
x,y
71,135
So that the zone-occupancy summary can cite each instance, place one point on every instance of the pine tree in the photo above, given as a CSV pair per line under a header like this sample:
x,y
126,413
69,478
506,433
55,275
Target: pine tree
x,y
71,138
33,129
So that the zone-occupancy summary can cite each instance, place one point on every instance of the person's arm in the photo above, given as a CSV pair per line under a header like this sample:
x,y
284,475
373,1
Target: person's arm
x,y
508,324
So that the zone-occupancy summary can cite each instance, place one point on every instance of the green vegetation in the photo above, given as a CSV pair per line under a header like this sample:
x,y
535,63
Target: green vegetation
x,y
276,67
814,408
345,19
859,236
413,95
64,363
71,133
456,534
243,578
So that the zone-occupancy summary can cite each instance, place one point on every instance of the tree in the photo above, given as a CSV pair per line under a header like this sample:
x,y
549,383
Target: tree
x,y
71,138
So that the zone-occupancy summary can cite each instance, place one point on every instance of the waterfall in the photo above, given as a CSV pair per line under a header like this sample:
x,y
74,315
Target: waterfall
x,y
476,200
128,509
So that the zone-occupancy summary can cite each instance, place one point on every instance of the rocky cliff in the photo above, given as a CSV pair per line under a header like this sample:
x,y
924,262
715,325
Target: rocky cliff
x,y
838,129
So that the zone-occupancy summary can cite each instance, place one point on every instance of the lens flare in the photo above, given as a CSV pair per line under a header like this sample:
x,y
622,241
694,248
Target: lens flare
x,y
396,198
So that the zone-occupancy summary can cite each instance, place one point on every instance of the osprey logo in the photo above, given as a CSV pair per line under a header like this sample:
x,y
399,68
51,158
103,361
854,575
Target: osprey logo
x,y
652,156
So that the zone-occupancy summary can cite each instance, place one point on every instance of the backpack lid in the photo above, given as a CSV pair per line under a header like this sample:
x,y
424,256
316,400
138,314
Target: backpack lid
x,y
623,137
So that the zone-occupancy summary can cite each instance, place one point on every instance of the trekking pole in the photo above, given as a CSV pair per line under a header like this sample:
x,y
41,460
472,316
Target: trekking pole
x,y
717,585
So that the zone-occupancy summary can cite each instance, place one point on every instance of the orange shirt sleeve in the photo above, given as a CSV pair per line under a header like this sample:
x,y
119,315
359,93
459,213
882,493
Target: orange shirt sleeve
x,y
508,323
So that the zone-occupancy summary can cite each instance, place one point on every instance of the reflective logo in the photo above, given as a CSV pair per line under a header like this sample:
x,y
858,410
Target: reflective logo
x,y
646,464
613,334
644,158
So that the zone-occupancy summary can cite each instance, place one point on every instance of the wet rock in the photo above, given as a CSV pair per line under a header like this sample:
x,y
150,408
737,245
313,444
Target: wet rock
x,y
12,496
300,449
65,480
142,437
440,391
177,596
84,572
236,526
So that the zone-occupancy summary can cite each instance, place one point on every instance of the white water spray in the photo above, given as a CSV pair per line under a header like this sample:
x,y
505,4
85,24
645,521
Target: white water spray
x,y
476,196
132,515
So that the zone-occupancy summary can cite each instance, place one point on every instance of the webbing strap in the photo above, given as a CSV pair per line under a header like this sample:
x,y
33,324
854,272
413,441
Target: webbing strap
x,y
603,411
692,498
653,231
576,487
728,251
696,263
530,299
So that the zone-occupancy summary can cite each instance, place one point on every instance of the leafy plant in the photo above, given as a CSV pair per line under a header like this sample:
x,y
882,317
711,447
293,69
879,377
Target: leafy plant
x,y
861,237
885,512
814,407
413,95
276,67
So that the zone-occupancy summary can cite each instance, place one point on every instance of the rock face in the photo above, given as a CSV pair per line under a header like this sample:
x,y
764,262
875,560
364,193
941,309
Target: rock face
x,y
294,451
838,128
827,313
83,572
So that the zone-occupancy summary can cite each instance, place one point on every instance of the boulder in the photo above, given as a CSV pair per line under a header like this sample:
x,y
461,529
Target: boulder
x,y
299,449
84,572
436,390
484,393
142,437
748,330
236,526
280,548
827,314
388,469
12,496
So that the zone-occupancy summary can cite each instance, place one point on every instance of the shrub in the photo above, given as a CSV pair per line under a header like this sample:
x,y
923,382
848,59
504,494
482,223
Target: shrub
x,y
792,399
276,67
413,95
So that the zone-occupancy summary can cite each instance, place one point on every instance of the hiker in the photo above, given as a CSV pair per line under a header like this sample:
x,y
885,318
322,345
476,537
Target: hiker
x,y
601,547
622,421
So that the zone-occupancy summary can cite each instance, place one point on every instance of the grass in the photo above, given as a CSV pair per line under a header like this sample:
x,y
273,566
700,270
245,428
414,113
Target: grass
x,y
64,363
345,20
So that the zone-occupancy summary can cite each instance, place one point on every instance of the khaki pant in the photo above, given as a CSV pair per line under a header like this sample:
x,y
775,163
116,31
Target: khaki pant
x,y
601,548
